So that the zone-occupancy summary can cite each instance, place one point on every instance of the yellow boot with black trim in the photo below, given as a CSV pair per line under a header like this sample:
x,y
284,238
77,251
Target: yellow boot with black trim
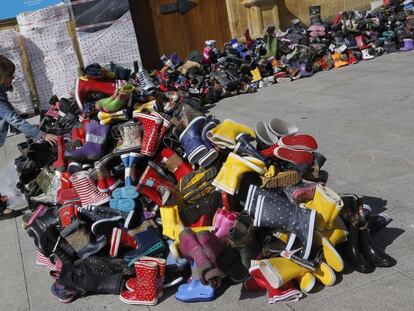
x,y
171,223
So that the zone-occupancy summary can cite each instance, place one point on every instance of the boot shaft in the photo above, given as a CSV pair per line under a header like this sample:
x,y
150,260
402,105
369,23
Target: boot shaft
x,y
151,126
154,177
131,136
327,204
232,171
87,190
174,163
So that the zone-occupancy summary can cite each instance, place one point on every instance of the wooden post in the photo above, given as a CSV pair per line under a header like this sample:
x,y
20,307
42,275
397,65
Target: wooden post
x,y
27,72
72,32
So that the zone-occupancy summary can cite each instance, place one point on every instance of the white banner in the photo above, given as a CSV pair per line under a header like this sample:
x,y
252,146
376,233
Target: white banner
x,y
20,98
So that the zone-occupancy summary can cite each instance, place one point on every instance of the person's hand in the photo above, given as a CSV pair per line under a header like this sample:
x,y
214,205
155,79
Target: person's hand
x,y
50,138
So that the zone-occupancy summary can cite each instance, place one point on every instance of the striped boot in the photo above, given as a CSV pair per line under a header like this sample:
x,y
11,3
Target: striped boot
x,y
87,190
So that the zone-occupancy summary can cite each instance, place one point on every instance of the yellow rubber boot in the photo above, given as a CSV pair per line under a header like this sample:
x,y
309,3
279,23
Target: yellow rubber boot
x,y
306,282
279,271
327,204
338,62
232,171
328,239
224,135
282,236
107,118
171,223
325,274
257,76
147,107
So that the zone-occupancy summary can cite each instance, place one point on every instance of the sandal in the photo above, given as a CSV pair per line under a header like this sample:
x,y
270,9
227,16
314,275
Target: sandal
x,y
10,215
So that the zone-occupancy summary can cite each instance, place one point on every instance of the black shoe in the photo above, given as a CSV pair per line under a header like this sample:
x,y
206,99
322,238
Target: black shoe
x,y
10,215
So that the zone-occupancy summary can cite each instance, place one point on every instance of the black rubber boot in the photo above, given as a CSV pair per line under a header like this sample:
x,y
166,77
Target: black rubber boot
x,y
90,278
371,251
315,15
350,214
354,254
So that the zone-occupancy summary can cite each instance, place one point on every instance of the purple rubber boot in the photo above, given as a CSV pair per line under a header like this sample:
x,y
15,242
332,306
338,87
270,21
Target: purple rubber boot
x,y
191,249
408,45
93,148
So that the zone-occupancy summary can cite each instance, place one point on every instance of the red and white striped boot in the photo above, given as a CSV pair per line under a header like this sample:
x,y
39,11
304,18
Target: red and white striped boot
x,y
121,238
102,184
87,190
133,283
146,291
42,260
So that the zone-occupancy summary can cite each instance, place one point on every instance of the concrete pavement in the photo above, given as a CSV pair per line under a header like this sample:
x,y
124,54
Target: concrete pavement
x,y
362,117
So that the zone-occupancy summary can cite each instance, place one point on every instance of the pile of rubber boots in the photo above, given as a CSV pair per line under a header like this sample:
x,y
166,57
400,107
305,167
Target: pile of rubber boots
x,y
143,192
203,78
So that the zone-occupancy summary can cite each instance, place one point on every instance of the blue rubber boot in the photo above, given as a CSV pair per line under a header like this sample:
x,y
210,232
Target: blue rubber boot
x,y
191,140
195,291
212,153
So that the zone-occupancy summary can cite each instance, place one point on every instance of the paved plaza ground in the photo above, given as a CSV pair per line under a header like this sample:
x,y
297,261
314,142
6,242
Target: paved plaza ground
x,y
363,119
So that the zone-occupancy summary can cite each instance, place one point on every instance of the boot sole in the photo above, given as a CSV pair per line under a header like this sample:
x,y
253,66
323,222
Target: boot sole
x,y
137,302
105,226
282,180
207,175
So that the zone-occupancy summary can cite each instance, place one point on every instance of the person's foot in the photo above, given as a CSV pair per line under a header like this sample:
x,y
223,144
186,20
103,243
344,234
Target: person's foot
x,y
9,214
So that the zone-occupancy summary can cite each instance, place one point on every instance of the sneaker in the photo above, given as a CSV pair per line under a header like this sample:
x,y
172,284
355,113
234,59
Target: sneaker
x,y
62,294
145,81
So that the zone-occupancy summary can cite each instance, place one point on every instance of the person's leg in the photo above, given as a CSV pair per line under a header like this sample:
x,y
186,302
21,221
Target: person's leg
x,y
5,212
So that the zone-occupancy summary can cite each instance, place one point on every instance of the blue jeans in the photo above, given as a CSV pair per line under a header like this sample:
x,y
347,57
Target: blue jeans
x,y
9,116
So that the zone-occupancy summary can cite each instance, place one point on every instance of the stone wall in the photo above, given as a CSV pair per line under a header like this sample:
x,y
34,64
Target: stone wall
x,y
257,15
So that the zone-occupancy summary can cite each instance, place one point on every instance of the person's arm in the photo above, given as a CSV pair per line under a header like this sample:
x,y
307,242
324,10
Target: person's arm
x,y
7,113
